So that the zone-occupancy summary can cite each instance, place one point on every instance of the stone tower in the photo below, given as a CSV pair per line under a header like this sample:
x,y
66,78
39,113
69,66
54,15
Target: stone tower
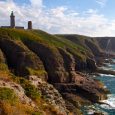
x,y
12,20
29,24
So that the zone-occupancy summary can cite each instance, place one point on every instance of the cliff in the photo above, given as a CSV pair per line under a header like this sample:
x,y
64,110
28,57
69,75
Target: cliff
x,y
43,72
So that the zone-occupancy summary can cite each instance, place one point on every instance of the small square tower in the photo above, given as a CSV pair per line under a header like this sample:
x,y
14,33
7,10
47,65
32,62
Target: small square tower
x,y
29,25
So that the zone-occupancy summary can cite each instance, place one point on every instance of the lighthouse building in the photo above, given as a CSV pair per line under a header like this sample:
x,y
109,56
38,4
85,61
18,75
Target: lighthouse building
x,y
12,23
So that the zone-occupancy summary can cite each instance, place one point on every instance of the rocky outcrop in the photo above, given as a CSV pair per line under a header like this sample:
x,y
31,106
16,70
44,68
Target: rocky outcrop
x,y
19,91
52,60
20,58
3,64
52,96
83,86
110,72
87,64
2,59
69,64
91,65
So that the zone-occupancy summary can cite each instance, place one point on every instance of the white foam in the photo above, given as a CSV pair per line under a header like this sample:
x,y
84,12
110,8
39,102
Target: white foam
x,y
90,112
109,103
107,68
104,75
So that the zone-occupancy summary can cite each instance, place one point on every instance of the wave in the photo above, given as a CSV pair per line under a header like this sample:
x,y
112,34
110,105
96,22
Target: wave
x,y
109,103
106,75
108,68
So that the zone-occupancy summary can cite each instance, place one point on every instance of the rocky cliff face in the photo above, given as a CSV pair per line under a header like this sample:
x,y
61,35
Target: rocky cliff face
x,y
50,66
52,60
19,57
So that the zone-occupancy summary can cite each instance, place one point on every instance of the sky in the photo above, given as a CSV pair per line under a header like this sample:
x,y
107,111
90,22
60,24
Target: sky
x,y
85,17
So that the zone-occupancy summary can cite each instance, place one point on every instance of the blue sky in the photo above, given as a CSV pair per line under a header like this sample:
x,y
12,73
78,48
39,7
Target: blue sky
x,y
88,17
107,8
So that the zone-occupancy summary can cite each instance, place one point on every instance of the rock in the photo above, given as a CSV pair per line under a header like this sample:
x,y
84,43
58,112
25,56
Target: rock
x,y
52,60
2,58
51,94
91,64
98,113
19,91
20,58
105,71
83,86
69,64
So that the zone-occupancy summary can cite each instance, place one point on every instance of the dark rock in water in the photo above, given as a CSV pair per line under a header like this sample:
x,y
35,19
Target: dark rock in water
x,y
105,71
98,113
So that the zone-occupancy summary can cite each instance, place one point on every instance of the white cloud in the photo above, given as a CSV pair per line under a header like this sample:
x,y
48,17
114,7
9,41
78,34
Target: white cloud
x,y
36,3
102,3
58,20
91,11
58,12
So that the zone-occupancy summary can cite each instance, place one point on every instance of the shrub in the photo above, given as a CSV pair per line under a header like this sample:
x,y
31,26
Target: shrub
x,y
36,113
3,67
7,94
36,72
30,90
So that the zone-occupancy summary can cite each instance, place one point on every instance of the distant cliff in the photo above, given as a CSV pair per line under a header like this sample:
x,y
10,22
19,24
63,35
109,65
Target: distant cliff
x,y
44,72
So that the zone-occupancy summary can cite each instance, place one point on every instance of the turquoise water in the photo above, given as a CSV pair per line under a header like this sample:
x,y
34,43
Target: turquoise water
x,y
109,107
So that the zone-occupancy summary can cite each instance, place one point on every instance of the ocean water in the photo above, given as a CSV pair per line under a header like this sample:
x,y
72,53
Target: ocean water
x,y
109,107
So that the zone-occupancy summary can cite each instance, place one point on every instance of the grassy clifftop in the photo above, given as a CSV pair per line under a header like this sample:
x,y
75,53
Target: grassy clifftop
x,y
44,38
86,42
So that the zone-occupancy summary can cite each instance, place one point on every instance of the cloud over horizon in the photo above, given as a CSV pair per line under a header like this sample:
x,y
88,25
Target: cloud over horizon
x,y
60,19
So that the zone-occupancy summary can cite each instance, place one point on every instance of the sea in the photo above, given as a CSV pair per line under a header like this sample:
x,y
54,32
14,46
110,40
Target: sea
x,y
109,81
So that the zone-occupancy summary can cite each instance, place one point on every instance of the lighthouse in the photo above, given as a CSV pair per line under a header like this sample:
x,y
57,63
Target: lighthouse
x,y
12,20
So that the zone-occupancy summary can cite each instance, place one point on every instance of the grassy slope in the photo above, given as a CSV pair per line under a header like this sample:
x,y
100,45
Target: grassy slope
x,y
46,39
61,42
81,40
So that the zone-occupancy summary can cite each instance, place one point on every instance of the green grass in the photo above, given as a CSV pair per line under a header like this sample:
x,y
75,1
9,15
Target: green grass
x,y
36,72
60,42
36,113
30,90
80,40
3,67
7,94
56,40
